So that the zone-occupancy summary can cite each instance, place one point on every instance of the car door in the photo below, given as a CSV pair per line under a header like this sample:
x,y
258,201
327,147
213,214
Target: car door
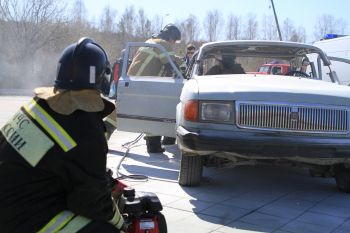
x,y
147,104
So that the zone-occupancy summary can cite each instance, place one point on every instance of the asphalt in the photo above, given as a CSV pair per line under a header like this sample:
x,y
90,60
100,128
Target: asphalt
x,y
264,198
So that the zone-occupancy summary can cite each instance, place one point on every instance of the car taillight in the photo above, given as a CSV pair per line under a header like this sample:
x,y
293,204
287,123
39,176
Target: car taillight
x,y
191,110
116,72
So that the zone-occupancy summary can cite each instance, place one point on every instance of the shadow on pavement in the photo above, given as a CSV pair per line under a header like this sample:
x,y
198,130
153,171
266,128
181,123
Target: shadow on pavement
x,y
262,198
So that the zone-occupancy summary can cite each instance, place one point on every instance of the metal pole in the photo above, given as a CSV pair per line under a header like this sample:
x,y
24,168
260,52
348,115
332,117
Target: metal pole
x,y
278,26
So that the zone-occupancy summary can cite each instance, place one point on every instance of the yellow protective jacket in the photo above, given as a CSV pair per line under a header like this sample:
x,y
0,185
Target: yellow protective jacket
x,y
53,169
151,61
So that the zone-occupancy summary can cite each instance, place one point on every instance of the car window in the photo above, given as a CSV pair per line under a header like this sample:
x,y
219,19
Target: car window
x,y
264,69
253,59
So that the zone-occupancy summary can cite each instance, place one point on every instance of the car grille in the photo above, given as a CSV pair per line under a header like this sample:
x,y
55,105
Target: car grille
x,y
292,117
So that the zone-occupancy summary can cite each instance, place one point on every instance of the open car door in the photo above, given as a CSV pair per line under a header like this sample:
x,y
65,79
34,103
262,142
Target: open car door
x,y
147,104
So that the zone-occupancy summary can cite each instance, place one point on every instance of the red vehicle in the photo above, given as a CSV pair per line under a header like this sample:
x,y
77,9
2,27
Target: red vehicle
x,y
278,69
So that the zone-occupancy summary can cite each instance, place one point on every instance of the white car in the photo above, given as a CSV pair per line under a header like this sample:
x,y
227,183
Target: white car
x,y
242,117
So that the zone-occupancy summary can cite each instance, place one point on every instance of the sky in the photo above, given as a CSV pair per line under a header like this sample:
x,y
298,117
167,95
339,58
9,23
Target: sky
x,y
301,12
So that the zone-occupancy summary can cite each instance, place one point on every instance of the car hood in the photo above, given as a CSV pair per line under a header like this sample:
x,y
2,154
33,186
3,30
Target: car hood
x,y
271,88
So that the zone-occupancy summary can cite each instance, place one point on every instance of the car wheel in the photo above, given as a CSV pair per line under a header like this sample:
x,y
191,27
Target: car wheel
x,y
191,168
342,178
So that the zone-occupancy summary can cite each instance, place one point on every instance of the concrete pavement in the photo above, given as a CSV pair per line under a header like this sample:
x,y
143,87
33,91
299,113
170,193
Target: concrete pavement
x,y
270,198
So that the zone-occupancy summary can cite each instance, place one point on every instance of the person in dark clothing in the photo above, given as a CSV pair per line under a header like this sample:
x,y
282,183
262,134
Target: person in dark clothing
x,y
227,66
189,54
53,152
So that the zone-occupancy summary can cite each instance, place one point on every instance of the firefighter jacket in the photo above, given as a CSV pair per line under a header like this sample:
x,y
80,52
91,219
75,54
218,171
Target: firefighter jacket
x,y
53,169
150,61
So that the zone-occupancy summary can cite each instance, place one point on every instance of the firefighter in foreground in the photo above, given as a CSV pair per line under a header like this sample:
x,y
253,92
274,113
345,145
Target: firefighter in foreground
x,y
53,153
152,62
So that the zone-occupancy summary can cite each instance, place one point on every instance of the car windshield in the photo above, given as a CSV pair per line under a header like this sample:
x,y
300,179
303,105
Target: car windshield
x,y
264,69
254,58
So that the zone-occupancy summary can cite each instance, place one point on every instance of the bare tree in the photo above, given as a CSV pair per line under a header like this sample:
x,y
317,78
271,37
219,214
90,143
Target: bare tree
x,y
107,20
251,27
269,29
31,25
288,29
29,32
298,35
143,26
126,24
190,29
342,25
157,23
233,31
212,23
79,13
328,24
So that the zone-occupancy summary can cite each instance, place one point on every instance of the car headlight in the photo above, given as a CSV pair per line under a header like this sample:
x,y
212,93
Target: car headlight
x,y
220,112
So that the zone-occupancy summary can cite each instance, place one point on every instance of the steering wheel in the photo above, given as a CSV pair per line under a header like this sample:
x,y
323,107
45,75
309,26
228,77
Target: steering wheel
x,y
297,73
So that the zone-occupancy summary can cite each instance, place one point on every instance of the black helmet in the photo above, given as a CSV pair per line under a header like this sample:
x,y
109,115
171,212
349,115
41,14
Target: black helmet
x,y
83,65
170,32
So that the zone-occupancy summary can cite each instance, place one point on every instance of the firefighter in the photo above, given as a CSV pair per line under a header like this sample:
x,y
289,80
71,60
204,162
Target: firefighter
x,y
151,62
53,152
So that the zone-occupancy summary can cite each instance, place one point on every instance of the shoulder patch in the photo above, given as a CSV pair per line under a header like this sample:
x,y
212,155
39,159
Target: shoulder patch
x,y
26,138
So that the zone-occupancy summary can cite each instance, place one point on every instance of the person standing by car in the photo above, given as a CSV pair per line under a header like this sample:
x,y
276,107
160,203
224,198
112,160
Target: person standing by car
x,y
152,62
53,152
189,54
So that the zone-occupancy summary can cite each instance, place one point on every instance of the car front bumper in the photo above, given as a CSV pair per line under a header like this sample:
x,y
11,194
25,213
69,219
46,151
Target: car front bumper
x,y
267,144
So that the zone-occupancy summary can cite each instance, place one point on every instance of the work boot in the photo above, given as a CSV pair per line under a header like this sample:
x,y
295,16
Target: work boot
x,y
153,144
168,141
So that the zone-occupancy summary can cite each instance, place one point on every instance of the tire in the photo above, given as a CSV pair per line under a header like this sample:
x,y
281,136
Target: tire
x,y
162,223
191,169
342,178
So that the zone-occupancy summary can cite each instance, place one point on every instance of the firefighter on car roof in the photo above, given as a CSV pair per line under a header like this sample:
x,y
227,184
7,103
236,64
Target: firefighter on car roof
x,y
152,62
53,152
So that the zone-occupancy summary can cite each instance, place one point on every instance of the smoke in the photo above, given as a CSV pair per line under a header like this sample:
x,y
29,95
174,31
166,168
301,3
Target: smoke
x,y
26,74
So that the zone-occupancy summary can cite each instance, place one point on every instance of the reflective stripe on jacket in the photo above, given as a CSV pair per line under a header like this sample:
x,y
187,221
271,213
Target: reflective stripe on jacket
x,y
150,61
65,221
50,125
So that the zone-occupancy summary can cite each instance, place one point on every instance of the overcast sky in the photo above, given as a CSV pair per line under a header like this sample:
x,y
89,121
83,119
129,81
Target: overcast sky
x,y
301,12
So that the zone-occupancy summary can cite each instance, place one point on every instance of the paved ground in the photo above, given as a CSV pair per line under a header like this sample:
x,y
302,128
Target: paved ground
x,y
276,199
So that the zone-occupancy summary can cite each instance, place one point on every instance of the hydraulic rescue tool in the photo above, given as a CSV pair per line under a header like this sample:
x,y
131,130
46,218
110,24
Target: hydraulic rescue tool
x,y
141,210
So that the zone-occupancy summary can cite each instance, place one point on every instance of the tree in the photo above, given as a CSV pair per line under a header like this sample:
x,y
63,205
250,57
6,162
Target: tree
x,y
212,24
29,31
31,25
251,27
107,20
298,35
190,29
288,29
79,13
233,31
269,29
126,24
157,23
328,24
143,26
